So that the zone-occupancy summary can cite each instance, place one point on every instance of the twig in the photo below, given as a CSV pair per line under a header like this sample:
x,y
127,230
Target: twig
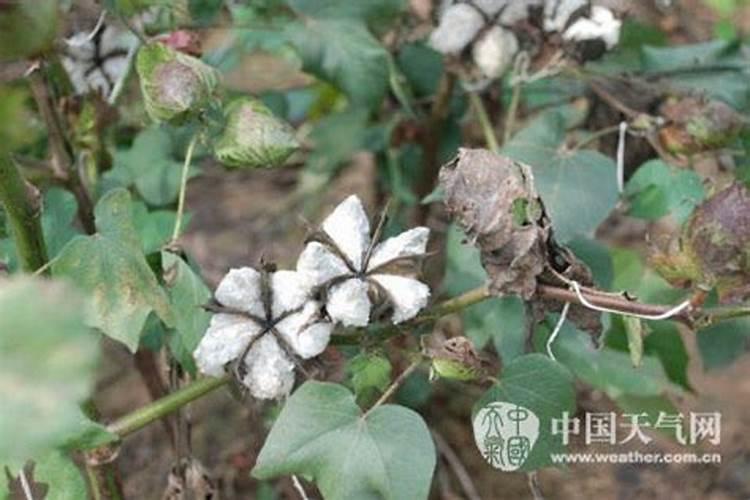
x,y
183,188
162,407
536,491
63,165
431,140
25,485
395,385
23,205
556,331
484,122
458,468
298,486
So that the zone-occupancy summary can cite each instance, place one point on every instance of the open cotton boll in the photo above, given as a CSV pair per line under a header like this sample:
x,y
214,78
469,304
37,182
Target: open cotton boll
x,y
557,13
290,291
227,336
304,331
458,27
270,372
601,25
240,289
409,243
408,296
320,264
348,303
349,228
518,10
494,52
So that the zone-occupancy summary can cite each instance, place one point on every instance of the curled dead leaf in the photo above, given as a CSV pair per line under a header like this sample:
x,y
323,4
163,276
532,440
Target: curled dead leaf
x,y
494,199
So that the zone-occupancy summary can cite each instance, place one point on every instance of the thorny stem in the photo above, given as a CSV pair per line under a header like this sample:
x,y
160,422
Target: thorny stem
x,y
484,121
22,204
183,188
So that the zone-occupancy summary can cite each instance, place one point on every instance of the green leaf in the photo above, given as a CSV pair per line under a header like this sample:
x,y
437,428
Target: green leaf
x,y
422,67
47,365
110,265
155,227
376,12
369,373
59,209
717,68
16,120
579,188
321,433
336,138
501,320
88,435
59,212
149,165
187,294
634,331
657,189
607,369
345,54
542,386
27,28
723,343
63,479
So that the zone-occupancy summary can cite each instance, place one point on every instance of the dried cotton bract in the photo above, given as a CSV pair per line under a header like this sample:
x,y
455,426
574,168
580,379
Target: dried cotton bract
x,y
265,320
354,273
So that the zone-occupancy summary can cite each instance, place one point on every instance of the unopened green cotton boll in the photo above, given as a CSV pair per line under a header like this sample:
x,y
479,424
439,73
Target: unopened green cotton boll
x,y
254,137
175,86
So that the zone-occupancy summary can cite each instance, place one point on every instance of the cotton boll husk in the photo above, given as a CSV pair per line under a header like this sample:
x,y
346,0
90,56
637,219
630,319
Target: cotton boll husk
x,y
458,27
557,13
601,25
290,291
226,338
348,303
349,228
270,372
411,242
240,289
320,265
409,296
305,332
494,52
492,7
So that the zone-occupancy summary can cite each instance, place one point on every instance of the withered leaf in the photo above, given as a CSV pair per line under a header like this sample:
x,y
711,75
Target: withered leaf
x,y
494,199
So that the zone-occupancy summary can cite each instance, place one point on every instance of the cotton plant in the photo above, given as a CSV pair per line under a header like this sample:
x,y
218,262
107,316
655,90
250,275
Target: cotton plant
x,y
263,321
355,274
497,31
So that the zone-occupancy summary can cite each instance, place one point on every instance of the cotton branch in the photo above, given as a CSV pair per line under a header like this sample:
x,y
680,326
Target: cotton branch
x,y
63,164
22,205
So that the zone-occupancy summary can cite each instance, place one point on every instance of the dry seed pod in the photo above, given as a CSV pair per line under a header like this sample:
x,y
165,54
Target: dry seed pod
x,y
696,124
714,247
